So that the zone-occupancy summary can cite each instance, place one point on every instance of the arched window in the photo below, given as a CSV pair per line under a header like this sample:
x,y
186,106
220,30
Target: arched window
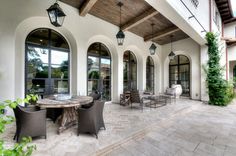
x,y
47,63
179,73
99,70
130,71
150,74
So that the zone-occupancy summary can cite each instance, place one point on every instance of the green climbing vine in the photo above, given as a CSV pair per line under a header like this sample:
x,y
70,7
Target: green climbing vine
x,y
220,91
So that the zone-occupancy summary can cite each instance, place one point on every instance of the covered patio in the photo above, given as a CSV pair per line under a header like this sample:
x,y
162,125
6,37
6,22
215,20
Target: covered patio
x,y
106,50
185,128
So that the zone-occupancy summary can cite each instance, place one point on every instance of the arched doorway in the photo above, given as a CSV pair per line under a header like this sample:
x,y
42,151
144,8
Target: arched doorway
x,y
99,70
179,73
47,67
150,74
130,71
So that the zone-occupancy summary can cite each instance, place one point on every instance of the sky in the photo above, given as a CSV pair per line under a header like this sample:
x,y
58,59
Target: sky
x,y
233,4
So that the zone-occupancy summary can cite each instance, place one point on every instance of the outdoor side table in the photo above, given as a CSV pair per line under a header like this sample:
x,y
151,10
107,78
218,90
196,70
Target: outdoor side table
x,y
69,115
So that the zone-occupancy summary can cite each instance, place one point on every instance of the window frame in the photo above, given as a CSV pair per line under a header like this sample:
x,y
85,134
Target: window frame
x,y
130,70
153,75
48,90
100,57
178,65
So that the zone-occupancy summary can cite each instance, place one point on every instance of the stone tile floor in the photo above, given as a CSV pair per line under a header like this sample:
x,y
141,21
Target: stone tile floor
x,y
183,129
204,131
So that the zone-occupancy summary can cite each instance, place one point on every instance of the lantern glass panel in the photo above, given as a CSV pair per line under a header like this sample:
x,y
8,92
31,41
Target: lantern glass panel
x,y
52,16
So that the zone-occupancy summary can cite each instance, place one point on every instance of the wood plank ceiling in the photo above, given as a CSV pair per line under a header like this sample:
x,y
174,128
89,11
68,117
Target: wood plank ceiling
x,y
137,16
224,7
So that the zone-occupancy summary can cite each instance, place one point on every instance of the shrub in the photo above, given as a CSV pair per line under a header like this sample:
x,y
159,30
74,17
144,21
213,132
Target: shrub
x,y
220,91
22,148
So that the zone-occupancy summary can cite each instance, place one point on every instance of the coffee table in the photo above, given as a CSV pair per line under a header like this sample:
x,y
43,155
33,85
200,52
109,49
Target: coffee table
x,y
156,100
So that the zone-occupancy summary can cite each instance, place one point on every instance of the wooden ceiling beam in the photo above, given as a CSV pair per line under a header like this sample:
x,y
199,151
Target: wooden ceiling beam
x,y
139,19
160,34
221,2
226,14
230,20
224,6
222,10
86,7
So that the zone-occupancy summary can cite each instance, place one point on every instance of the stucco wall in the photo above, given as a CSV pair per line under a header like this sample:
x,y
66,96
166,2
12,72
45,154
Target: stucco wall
x,y
80,32
229,30
175,11
191,49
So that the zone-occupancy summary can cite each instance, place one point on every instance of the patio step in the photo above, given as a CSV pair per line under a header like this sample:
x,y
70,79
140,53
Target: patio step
x,y
141,133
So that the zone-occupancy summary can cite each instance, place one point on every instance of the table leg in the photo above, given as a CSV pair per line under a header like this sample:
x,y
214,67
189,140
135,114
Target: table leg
x,y
68,119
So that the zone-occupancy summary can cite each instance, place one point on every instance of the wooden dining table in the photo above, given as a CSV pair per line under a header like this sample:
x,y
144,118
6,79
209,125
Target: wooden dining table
x,y
69,115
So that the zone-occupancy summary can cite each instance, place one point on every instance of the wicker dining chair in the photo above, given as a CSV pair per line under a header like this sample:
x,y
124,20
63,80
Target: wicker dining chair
x,y
30,121
90,120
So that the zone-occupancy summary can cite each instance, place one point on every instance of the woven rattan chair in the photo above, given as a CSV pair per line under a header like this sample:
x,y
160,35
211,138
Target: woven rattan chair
x,y
90,120
30,121
124,100
136,99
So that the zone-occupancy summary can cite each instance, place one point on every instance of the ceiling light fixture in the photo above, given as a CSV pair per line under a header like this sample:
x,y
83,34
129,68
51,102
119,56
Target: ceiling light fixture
x,y
153,47
172,54
56,14
120,36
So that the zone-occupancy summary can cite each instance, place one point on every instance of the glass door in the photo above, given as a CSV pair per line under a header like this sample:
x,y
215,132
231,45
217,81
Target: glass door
x,y
179,73
99,71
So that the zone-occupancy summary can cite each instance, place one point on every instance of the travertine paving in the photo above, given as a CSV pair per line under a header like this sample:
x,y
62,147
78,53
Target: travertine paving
x,y
185,128
206,131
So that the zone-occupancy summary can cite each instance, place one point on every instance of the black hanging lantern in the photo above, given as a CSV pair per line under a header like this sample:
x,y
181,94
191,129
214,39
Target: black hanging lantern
x,y
172,54
56,15
153,47
120,36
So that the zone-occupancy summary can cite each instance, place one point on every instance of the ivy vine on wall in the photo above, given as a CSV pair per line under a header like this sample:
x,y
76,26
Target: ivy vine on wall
x,y
220,91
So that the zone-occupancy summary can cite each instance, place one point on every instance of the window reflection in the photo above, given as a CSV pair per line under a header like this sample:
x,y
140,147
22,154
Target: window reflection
x,y
99,70
179,73
47,69
129,71
150,75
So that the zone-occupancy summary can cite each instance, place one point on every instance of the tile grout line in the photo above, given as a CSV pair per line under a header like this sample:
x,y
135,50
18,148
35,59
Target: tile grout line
x,y
142,132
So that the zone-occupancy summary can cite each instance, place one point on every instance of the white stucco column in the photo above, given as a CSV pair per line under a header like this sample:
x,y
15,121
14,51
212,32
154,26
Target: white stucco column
x,y
203,63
